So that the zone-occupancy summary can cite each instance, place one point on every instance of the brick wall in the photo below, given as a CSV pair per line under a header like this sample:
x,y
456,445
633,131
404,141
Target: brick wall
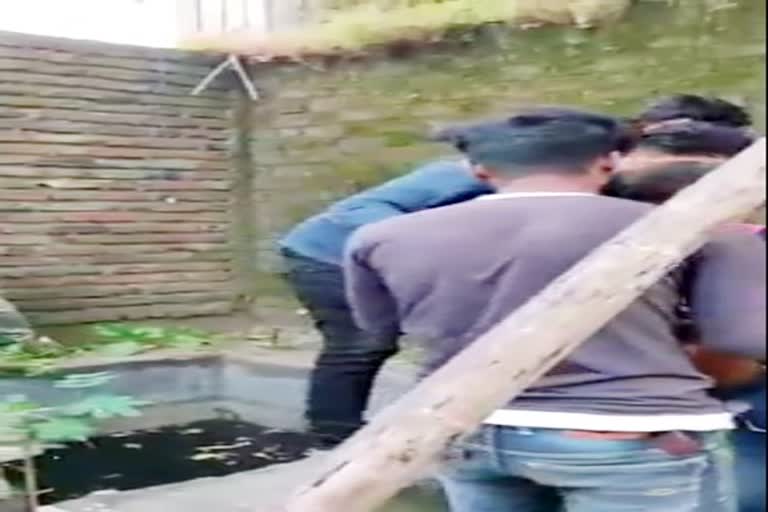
x,y
114,182
323,132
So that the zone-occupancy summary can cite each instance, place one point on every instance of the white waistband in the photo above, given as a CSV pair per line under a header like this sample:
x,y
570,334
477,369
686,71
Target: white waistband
x,y
612,423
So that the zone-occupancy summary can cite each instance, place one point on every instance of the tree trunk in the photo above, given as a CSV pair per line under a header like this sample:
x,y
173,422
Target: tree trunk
x,y
402,444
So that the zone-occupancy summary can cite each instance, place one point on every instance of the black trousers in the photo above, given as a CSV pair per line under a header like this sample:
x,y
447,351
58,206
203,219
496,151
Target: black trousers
x,y
350,359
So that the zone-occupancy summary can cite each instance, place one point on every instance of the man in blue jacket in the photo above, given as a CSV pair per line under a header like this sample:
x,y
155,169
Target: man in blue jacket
x,y
350,358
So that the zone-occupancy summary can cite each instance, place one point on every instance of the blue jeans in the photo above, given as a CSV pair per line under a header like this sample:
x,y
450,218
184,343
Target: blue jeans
x,y
350,359
750,447
520,470
750,470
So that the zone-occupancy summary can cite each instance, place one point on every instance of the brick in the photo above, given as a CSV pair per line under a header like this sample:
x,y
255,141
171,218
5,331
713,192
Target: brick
x,y
361,115
292,121
330,104
361,144
327,131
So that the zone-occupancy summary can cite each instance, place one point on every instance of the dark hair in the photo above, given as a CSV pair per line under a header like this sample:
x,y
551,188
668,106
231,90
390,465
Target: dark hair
x,y
697,108
556,138
696,138
657,184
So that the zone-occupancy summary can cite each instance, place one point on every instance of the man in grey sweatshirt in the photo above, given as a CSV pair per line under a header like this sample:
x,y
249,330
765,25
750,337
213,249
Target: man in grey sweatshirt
x,y
626,423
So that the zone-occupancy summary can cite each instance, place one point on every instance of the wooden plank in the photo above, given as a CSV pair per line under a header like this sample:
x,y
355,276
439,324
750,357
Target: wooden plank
x,y
50,109
120,228
401,444
85,161
110,239
22,62
128,196
52,306
100,109
90,139
44,260
93,291
52,176
56,269
111,217
97,151
58,249
46,282
159,88
186,187
96,314
92,206
192,132
19,88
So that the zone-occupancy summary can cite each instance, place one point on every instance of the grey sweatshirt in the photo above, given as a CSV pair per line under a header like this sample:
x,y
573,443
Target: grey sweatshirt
x,y
448,275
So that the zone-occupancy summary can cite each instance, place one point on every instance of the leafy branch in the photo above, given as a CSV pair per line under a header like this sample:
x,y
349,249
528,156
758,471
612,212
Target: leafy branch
x,y
31,426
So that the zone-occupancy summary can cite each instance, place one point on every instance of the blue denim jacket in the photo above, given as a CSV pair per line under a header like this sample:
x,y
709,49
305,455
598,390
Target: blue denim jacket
x,y
324,236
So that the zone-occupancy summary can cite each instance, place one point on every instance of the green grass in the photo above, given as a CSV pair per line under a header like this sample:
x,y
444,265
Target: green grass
x,y
362,26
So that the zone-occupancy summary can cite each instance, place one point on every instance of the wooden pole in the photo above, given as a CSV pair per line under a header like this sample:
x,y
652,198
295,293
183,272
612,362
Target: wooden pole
x,y
401,445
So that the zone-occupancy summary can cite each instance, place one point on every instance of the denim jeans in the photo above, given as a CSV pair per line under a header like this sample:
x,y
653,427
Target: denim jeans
x,y
750,447
350,358
522,470
750,470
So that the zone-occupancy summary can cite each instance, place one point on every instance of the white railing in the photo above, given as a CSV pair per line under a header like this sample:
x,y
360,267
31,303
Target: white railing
x,y
213,17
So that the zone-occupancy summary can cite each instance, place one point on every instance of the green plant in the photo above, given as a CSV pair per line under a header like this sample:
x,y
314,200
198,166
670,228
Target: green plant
x,y
111,340
30,427
125,337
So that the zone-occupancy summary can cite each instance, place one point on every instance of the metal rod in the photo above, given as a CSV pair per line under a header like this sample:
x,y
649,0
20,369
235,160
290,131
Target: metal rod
x,y
210,77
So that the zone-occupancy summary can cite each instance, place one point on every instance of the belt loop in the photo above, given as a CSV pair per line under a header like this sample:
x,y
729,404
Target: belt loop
x,y
496,434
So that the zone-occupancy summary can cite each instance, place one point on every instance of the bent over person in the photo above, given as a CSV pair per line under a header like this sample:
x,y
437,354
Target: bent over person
x,y
350,358
626,423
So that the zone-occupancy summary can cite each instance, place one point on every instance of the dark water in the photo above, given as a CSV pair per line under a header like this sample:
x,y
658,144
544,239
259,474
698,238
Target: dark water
x,y
178,453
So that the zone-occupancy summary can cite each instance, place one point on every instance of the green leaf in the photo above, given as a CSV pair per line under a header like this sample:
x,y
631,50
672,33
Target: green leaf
x,y
15,404
120,349
103,407
151,335
61,430
11,426
10,348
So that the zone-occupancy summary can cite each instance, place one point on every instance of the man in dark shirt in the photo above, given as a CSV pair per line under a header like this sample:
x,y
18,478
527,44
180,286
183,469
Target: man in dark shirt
x,y
693,107
687,127
626,423
688,151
